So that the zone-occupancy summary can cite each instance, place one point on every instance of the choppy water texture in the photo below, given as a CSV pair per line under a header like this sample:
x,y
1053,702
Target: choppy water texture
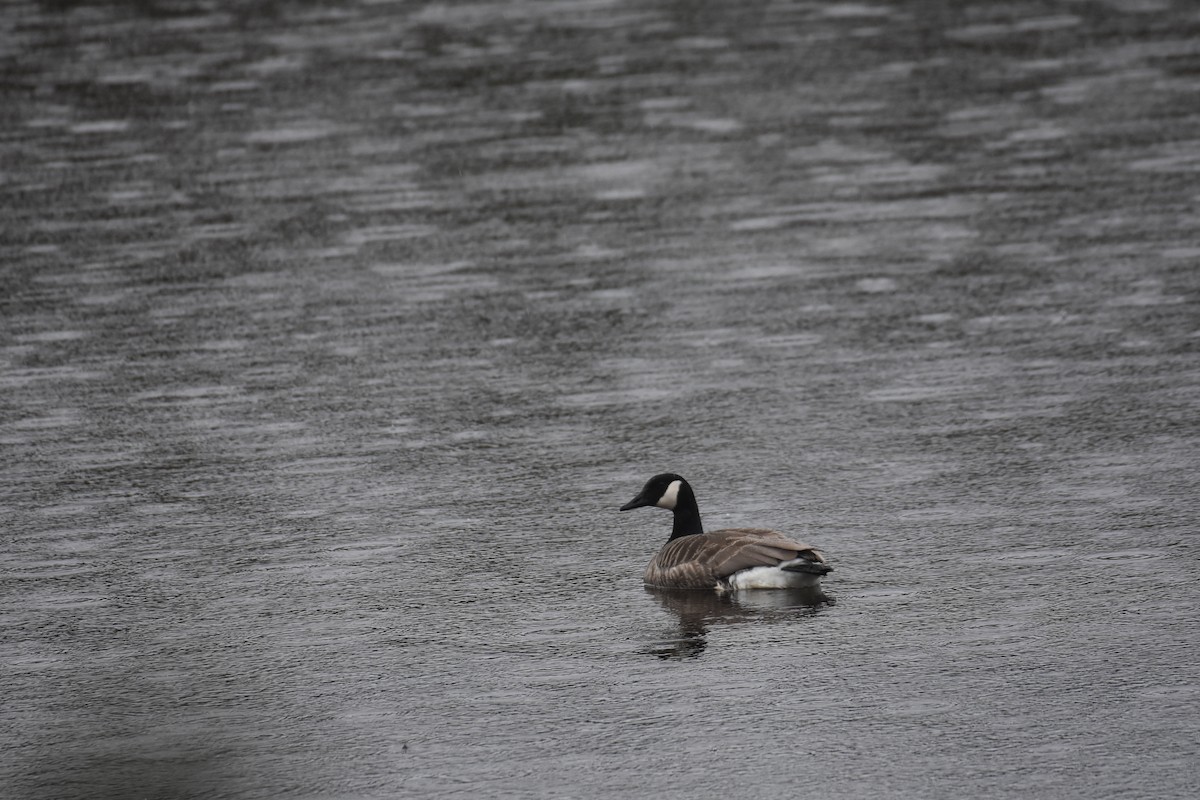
x,y
334,335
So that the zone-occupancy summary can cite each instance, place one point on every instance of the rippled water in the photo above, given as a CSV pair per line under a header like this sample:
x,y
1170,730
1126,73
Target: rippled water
x,y
332,338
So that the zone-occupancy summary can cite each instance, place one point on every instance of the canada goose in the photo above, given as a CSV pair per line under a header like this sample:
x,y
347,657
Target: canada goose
x,y
733,558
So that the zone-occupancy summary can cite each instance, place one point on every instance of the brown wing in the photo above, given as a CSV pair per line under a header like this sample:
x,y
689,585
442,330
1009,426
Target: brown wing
x,y
703,559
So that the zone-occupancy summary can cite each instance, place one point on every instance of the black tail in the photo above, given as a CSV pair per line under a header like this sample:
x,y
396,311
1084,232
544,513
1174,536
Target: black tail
x,y
809,567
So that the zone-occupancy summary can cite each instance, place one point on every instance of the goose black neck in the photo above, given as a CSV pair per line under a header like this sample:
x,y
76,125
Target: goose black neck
x,y
687,514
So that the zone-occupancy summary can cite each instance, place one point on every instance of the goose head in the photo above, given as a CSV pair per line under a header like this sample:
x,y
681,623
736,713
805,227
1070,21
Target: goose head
x,y
672,492
661,490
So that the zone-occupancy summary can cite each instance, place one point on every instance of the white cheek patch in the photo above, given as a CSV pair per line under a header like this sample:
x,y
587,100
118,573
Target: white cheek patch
x,y
669,497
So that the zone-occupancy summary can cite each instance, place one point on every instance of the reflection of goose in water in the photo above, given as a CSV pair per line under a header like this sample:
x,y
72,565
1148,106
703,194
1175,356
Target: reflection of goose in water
x,y
698,611
725,560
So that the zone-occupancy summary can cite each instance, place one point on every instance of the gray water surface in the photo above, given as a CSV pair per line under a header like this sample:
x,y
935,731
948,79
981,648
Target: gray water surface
x,y
332,338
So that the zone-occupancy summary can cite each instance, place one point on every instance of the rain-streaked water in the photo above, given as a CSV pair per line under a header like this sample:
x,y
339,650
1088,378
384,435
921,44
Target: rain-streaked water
x,y
334,335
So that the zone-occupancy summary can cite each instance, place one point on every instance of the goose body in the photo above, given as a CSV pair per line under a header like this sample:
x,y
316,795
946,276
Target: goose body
x,y
725,560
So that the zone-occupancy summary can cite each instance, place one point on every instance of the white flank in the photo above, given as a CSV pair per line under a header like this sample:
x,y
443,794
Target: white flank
x,y
772,578
669,497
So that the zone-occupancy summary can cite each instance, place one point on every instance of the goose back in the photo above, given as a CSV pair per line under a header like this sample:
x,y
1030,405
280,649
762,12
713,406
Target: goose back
x,y
705,560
